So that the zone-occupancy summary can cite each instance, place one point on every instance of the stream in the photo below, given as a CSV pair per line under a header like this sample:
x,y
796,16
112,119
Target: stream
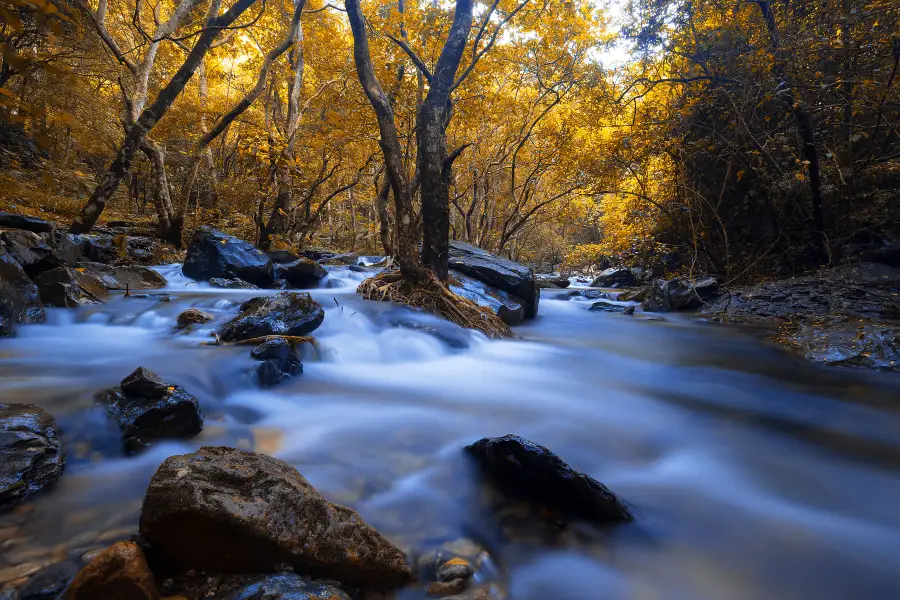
x,y
752,473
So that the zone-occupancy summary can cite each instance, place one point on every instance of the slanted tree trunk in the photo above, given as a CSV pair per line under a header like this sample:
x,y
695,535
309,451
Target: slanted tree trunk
x,y
152,114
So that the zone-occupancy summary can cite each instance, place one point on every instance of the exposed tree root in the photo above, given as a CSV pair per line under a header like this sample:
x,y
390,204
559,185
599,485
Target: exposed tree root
x,y
433,296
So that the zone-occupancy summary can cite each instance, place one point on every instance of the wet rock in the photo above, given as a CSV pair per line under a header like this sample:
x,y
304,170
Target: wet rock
x,y
528,471
583,294
20,300
349,258
285,313
212,253
282,257
628,310
498,272
456,568
192,316
49,582
284,586
67,246
31,455
231,284
318,254
303,273
31,251
108,248
849,343
546,282
446,588
616,277
118,573
679,294
510,309
69,288
230,511
123,277
886,255
33,224
604,306
147,409
279,362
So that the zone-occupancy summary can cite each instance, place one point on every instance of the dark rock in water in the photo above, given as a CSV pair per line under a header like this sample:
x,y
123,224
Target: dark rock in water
x,y
510,309
456,568
848,342
118,573
886,255
451,334
147,409
498,272
358,269
49,582
616,277
193,316
629,310
443,589
679,294
20,300
32,224
584,294
230,511
604,306
284,586
318,254
282,257
123,278
340,259
212,253
527,471
279,361
31,455
303,273
553,282
69,288
285,313
31,251
231,284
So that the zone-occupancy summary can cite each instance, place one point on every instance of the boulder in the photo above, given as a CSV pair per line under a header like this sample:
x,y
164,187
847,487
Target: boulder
x,y
31,251
118,573
50,582
231,284
553,281
616,277
848,342
279,362
123,278
285,313
498,272
605,306
230,511
510,309
212,253
282,257
317,254
527,471
302,273
107,247
349,258
31,455
69,288
192,316
679,294
33,224
67,246
147,409
886,255
284,586
20,300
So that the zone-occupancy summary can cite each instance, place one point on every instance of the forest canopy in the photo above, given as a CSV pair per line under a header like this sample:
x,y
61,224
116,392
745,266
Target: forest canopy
x,y
740,138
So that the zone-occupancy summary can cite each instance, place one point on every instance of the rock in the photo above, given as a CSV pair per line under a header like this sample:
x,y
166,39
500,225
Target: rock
x,y
285,313
279,362
107,248
230,511
456,568
282,257
31,455
886,255
20,300
553,282
510,309
303,273
284,586
67,246
32,224
147,409
586,294
318,254
498,272
69,288
31,251
628,310
49,582
118,573
679,294
349,258
445,588
527,471
123,278
604,306
849,343
192,316
212,253
231,284
616,277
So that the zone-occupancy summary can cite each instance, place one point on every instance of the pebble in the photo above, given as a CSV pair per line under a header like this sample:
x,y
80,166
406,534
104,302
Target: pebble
x,y
456,568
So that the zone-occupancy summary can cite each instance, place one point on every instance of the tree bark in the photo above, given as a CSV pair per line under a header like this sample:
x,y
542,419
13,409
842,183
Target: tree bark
x,y
384,216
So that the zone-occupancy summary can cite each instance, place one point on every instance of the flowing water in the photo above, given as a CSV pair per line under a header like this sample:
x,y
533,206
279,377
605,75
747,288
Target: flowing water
x,y
752,473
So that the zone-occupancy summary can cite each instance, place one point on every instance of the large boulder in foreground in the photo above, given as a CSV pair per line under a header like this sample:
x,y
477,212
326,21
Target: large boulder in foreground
x,y
528,471
212,253
510,309
31,251
123,278
146,409
20,301
118,573
230,511
70,288
30,452
285,313
498,272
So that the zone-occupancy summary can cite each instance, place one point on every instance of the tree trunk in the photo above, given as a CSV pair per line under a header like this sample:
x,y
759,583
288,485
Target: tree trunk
x,y
384,216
